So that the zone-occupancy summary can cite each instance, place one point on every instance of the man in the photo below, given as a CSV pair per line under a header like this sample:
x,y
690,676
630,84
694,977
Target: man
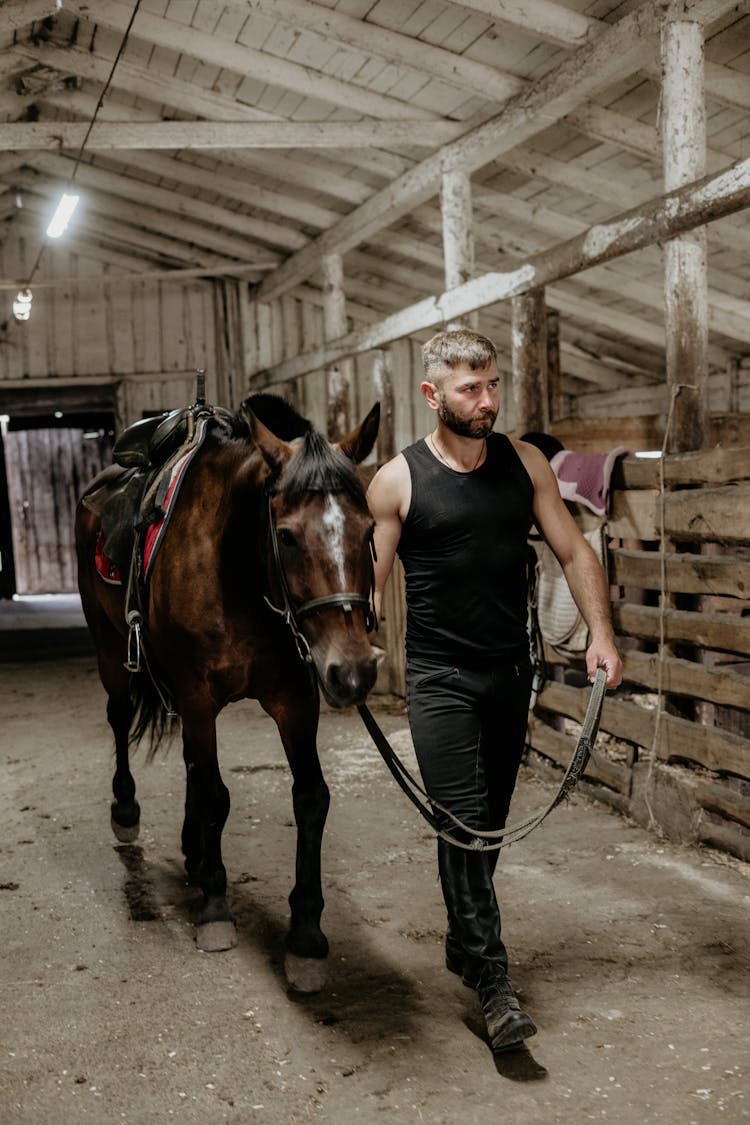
x,y
457,506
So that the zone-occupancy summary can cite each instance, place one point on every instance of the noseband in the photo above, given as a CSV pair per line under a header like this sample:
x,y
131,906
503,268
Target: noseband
x,y
293,615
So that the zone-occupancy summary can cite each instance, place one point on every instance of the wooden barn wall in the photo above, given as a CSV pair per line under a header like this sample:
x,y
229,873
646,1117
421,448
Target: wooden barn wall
x,y
675,751
145,338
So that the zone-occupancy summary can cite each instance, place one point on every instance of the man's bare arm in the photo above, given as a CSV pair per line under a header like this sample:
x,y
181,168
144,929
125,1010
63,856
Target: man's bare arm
x,y
388,496
580,565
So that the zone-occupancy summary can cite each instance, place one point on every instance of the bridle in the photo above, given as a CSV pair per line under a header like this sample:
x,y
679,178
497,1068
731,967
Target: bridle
x,y
293,614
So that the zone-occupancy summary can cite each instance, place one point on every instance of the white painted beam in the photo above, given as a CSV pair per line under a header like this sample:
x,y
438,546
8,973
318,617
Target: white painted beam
x,y
540,18
683,119
16,15
395,47
458,235
59,135
173,202
617,52
227,54
663,218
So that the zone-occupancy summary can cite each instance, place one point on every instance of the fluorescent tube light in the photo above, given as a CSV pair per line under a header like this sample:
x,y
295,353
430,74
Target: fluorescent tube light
x,y
62,215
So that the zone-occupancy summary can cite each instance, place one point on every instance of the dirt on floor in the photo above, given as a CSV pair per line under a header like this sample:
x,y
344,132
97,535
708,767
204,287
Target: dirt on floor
x,y
631,953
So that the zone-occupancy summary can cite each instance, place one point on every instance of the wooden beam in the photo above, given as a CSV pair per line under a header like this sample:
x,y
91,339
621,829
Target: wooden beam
x,y
218,50
393,46
662,218
458,236
167,90
228,182
541,18
338,375
59,135
683,120
720,575
529,346
16,15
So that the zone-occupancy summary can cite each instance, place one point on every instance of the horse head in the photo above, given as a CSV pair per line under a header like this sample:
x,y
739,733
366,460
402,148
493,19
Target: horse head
x,y
319,550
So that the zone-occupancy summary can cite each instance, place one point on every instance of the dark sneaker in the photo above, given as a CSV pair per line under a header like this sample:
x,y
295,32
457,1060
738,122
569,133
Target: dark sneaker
x,y
507,1025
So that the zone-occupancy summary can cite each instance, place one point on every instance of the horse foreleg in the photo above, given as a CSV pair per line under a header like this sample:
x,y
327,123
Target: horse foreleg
x,y
306,944
206,811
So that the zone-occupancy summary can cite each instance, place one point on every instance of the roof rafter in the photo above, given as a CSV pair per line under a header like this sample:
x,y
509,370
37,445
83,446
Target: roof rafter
x,y
229,55
618,52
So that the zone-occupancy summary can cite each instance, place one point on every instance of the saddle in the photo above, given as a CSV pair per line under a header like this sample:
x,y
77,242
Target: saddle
x,y
148,450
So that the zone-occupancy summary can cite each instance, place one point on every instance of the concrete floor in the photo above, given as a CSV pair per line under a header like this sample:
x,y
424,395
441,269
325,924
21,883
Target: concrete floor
x,y
631,954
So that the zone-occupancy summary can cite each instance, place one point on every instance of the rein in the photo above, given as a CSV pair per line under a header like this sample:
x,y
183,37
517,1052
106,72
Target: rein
x,y
480,840
293,615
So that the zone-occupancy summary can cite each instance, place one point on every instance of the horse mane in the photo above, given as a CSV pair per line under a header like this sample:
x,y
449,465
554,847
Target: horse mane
x,y
318,466
277,414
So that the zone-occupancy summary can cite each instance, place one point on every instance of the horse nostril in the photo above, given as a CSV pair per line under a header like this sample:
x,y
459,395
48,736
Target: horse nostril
x,y
352,681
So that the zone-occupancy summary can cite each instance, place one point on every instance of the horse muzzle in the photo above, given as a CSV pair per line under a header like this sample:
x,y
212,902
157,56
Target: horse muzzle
x,y
346,683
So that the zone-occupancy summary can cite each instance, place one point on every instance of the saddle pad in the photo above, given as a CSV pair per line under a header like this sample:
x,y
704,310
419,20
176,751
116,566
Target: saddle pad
x,y
155,531
560,621
106,569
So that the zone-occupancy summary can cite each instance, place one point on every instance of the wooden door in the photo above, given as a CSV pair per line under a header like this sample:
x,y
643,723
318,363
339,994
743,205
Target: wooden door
x,y
47,470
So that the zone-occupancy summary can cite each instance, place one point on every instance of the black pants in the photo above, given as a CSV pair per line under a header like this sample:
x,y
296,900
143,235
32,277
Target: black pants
x,y
468,727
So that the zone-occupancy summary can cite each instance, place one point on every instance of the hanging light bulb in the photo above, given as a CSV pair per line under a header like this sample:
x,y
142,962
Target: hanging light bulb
x,y
22,305
62,215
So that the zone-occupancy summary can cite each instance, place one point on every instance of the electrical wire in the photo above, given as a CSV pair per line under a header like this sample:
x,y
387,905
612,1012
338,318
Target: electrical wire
x,y
91,124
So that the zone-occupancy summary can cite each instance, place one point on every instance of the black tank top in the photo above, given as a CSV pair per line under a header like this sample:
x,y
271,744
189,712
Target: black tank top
x,y
463,547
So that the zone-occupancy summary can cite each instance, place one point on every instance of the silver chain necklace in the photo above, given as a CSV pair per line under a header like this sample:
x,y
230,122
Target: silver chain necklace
x,y
434,445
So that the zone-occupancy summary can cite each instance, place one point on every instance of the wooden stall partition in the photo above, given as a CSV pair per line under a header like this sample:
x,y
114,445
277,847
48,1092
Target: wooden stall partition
x,y
674,751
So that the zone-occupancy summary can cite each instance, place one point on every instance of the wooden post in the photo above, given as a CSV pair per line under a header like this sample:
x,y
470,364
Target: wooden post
x,y
382,377
554,374
458,238
529,324
339,375
685,270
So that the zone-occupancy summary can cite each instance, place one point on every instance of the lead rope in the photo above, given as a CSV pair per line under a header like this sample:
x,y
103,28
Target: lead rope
x,y
492,840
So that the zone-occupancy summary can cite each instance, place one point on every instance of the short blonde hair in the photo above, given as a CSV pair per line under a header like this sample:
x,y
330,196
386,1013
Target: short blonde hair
x,y
448,350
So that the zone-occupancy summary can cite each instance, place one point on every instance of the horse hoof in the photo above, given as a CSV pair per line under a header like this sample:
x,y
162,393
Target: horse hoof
x,y
126,834
305,974
215,937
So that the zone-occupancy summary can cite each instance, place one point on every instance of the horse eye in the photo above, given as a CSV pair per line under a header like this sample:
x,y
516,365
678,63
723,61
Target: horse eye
x,y
286,537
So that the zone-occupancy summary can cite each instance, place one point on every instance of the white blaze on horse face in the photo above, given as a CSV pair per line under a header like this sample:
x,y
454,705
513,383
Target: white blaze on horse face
x,y
333,525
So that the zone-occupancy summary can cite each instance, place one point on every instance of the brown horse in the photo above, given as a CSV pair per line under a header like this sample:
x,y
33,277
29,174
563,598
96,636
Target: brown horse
x,y
261,589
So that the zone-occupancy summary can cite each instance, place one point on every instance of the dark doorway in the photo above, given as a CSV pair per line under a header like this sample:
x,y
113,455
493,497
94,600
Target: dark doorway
x,y
48,460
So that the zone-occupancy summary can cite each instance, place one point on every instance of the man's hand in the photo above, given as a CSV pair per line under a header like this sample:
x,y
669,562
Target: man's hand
x,y
603,654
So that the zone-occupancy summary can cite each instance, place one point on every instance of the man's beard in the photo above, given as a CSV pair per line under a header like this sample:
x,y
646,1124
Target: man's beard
x,y
471,428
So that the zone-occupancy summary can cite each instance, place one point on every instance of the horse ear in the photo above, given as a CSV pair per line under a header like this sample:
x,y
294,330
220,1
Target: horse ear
x,y
359,442
275,452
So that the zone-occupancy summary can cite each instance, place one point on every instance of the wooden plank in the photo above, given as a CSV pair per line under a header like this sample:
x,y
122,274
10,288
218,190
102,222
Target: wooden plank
x,y
371,38
559,747
721,575
716,683
719,514
43,136
721,632
225,53
595,434
719,465
635,515
680,739
723,800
